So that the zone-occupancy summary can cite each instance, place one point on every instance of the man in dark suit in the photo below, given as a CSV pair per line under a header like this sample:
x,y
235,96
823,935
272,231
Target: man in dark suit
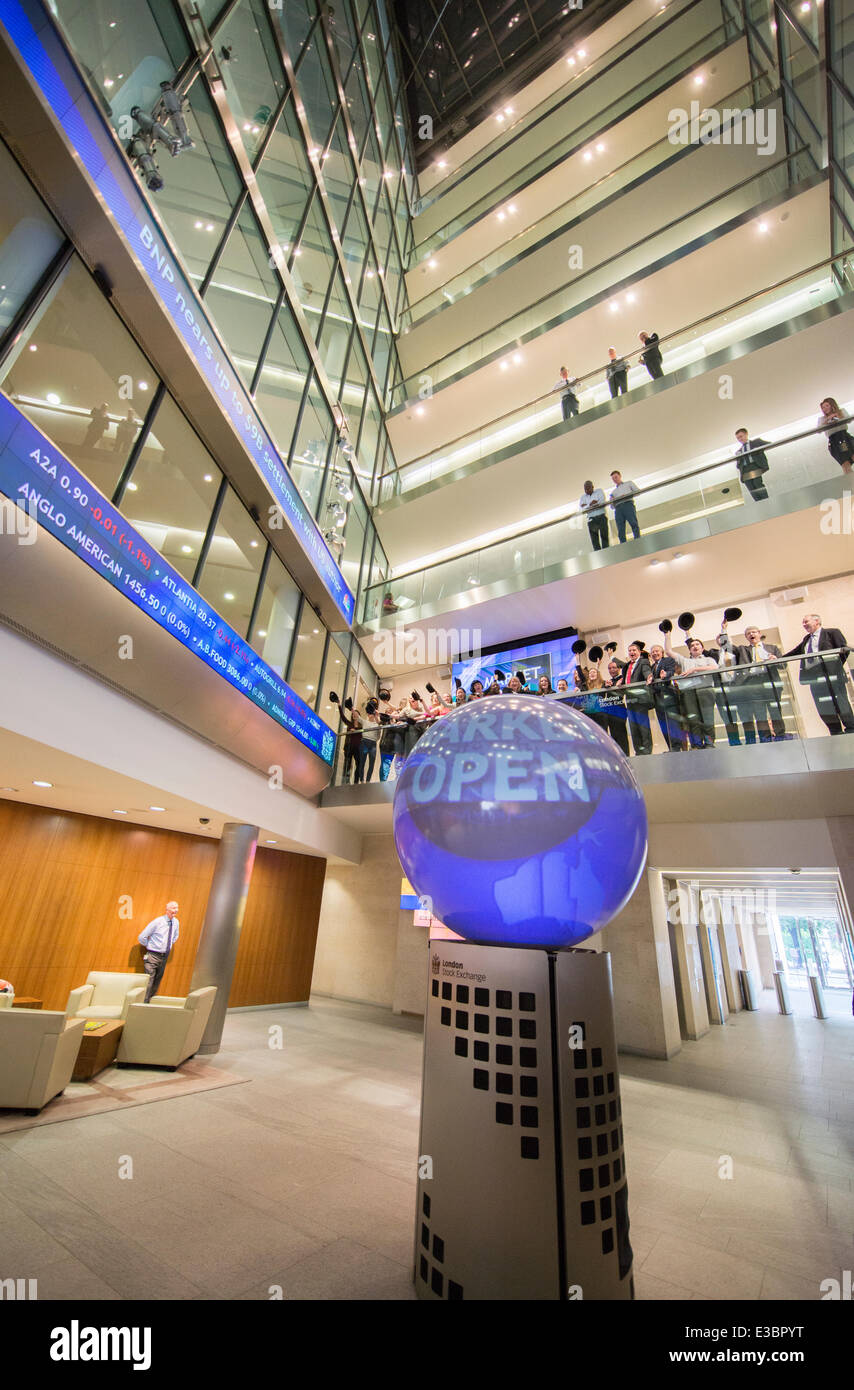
x,y
638,702
752,464
757,687
662,670
826,675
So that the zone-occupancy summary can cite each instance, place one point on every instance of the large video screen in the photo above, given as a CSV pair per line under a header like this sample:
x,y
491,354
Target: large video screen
x,y
551,656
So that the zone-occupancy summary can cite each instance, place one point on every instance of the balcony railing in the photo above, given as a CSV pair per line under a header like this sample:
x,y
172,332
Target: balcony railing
x,y
777,303
524,559
557,307
737,706
532,164
637,169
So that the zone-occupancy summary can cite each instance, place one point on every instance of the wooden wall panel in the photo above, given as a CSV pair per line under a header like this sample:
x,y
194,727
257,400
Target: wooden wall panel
x,y
64,879
275,959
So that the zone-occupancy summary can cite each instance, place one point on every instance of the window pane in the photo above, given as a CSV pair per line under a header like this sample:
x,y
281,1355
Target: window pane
x,y
76,372
296,17
272,634
254,81
172,489
311,446
335,335
243,292
315,86
313,263
229,580
304,677
201,187
282,381
334,677
338,174
285,179
128,57
29,239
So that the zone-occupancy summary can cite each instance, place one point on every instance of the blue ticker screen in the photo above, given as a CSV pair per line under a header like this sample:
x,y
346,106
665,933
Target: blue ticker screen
x,y
39,478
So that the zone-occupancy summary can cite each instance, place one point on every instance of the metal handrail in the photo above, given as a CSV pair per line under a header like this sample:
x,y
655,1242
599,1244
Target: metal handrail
x,y
717,677
642,241
524,124
613,173
603,506
668,337
718,29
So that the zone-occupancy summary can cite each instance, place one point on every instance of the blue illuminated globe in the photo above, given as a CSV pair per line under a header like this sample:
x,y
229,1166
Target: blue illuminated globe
x,y
522,821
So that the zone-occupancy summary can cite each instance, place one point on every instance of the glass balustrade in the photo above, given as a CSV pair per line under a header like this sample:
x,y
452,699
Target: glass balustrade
x,y
558,222
531,160
581,74
695,494
776,304
557,307
738,705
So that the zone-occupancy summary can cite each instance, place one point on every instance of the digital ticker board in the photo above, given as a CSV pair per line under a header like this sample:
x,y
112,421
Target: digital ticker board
x,y
38,477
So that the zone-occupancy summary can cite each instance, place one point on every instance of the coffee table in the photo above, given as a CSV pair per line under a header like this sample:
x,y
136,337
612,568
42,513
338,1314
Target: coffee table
x,y
26,1001
97,1050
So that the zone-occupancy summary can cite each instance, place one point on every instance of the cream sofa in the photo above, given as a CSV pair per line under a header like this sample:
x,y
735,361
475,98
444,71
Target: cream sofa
x,y
107,995
38,1049
166,1031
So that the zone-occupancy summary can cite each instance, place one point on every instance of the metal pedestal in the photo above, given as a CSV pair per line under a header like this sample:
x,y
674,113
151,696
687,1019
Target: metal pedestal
x,y
522,1184
782,988
748,989
817,994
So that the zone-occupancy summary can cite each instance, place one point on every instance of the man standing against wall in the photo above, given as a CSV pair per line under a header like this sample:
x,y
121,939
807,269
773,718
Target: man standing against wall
x,y
158,938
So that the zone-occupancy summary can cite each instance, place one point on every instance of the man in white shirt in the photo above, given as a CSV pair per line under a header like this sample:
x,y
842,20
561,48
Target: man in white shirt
x,y
592,503
826,676
158,938
568,401
697,695
624,507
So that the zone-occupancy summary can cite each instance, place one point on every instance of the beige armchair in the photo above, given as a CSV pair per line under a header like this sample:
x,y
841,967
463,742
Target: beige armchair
x,y
106,995
166,1031
38,1049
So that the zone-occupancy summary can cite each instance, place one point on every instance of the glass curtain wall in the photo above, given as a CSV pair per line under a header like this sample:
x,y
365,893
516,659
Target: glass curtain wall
x,y
72,367
291,207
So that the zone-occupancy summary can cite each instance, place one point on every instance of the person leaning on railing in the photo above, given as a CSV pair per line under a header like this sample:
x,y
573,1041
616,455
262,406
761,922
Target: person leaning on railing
x,y
695,684
757,686
840,445
826,675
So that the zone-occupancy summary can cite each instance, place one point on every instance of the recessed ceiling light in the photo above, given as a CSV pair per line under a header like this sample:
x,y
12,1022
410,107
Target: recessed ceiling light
x,y
132,487
630,298
108,81
8,789
582,52
571,62
763,227
53,398
42,784
157,808
309,687
186,549
432,263
142,385
419,410
208,478
198,226
119,813
587,154
33,347
254,545
600,149
503,366
271,842
316,631
228,596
